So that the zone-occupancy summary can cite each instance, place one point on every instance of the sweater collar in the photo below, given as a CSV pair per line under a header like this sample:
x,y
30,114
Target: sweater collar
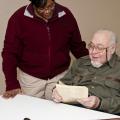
x,y
29,12
58,13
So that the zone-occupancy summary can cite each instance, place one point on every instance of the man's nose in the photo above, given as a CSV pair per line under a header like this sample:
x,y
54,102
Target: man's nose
x,y
47,11
94,50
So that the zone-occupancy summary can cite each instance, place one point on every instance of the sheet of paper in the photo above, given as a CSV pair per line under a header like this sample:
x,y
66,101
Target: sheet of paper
x,y
70,94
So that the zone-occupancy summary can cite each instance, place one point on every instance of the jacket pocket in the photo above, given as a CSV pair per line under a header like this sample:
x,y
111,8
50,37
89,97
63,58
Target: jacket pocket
x,y
113,84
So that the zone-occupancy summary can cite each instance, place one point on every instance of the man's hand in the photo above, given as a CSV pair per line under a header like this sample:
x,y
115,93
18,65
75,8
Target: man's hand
x,y
91,102
56,97
12,93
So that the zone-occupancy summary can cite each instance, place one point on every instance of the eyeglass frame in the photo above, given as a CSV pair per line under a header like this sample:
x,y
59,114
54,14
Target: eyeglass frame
x,y
50,7
98,48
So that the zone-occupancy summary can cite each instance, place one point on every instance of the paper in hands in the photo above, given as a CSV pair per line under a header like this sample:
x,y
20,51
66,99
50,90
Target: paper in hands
x,y
70,94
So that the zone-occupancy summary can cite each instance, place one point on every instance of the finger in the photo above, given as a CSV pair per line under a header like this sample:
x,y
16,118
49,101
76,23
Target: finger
x,y
83,100
85,103
56,95
9,94
56,100
53,95
6,95
13,94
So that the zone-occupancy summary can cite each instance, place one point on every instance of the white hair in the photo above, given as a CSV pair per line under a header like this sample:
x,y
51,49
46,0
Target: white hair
x,y
112,35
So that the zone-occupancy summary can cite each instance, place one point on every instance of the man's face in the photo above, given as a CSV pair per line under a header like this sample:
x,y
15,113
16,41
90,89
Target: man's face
x,y
99,49
47,11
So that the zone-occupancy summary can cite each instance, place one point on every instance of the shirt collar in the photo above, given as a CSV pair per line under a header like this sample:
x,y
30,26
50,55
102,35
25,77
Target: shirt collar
x,y
88,61
112,61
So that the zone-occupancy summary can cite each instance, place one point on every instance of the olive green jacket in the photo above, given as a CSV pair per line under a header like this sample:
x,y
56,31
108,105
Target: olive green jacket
x,y
103,82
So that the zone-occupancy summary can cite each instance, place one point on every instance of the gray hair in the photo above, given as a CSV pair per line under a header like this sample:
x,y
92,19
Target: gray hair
x,y
112,35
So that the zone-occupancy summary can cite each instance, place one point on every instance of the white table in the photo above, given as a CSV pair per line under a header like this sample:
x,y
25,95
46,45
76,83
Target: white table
x,y
23,106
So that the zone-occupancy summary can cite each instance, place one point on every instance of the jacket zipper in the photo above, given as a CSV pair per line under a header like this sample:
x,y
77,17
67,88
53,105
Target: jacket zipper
x,y
49,47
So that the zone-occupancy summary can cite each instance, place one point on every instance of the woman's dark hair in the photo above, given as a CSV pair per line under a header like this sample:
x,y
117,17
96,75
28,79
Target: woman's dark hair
x,y
39,3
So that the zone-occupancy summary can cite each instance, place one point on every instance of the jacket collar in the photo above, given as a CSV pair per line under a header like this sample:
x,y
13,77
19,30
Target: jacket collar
x,y
29,12
58,13
112,61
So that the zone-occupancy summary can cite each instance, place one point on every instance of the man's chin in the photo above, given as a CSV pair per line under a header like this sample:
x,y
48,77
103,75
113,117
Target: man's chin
x,y
47,16
96,64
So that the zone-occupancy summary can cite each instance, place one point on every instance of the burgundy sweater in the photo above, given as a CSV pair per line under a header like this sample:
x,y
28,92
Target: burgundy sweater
x,y
40,48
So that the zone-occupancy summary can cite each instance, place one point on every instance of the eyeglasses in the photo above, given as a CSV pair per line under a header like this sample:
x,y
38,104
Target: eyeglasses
x,y
50,8
99,47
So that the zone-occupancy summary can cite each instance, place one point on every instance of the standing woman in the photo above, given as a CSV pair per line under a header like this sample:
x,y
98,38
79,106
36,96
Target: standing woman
x,y
38,40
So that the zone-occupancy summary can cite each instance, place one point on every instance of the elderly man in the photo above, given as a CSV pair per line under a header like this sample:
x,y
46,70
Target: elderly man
x,y
99,72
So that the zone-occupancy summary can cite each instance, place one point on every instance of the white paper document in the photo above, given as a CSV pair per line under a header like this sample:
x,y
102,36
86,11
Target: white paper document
x,y
70,94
